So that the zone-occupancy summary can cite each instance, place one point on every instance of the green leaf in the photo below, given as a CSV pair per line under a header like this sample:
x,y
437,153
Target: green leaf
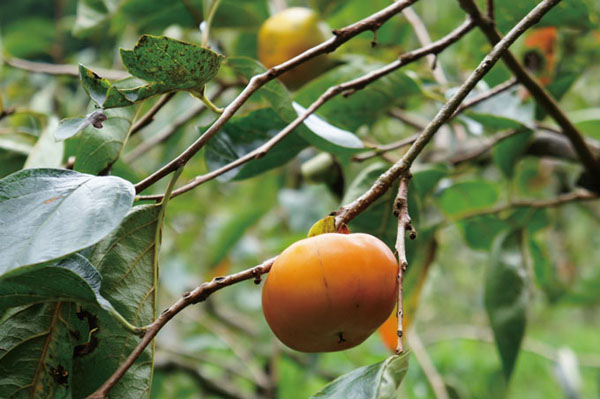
x,y
69,127
327,131
314,130
507,152
127,261
36,351
243,134
179,65
425,178
377,381
588,121
165,64
558,88
480,232
573,13
46,153
49,213
98,149
546,275
72,279
506,298
365,105
462,198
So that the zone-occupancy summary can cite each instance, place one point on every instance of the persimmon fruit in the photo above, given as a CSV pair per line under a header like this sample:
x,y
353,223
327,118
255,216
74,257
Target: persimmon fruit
x,y
330,292
287,34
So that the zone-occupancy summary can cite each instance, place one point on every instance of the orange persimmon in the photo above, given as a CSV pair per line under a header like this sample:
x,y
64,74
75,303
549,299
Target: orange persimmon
x,y
330,292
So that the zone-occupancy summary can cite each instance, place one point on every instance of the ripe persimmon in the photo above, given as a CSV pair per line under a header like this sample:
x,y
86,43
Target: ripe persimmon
x,y
287,34
330,292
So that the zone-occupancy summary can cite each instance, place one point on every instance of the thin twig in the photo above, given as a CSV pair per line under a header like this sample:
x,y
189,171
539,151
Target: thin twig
x,y
411,121
373,22
473,153
424,39
562,199
199,294
384,182
61,69
148,117
346,87
404,226
541,95
433,376
489,5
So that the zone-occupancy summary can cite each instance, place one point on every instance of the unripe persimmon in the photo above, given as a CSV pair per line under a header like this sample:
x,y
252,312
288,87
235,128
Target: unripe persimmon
x,y
287,34
330,292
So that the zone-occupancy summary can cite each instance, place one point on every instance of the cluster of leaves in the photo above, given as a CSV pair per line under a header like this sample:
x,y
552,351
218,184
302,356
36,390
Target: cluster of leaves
x,y
79,268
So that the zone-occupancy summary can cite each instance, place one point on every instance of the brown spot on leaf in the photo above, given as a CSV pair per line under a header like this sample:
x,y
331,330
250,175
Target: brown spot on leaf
x,y
51,200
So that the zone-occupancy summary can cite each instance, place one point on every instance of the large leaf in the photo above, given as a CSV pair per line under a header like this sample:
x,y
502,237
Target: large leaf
x,y
98,149
49,213
72,279
545,271
36,351
479,232
377,381
572,13
128,264
462,198
165,64
314,130
46,153
367,104
243,134
588,121
506,298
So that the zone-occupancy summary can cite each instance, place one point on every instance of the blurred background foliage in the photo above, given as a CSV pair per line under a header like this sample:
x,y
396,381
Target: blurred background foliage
x,y
224,347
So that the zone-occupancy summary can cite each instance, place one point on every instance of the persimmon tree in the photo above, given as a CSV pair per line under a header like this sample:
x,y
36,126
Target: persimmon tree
x,y
144,149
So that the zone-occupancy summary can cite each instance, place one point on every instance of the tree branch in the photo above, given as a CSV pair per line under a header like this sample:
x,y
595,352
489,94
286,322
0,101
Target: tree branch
x,y
404,226
424,39
573,196
431,373
384,182
381,149
199,294
541,95
61,69
148,117
341,36
346,87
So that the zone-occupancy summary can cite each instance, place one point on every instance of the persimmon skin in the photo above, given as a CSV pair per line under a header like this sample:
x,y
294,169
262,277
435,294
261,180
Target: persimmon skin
x,y
330,292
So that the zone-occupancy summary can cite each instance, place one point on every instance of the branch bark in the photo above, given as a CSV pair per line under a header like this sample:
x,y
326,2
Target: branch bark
x,y
404,226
